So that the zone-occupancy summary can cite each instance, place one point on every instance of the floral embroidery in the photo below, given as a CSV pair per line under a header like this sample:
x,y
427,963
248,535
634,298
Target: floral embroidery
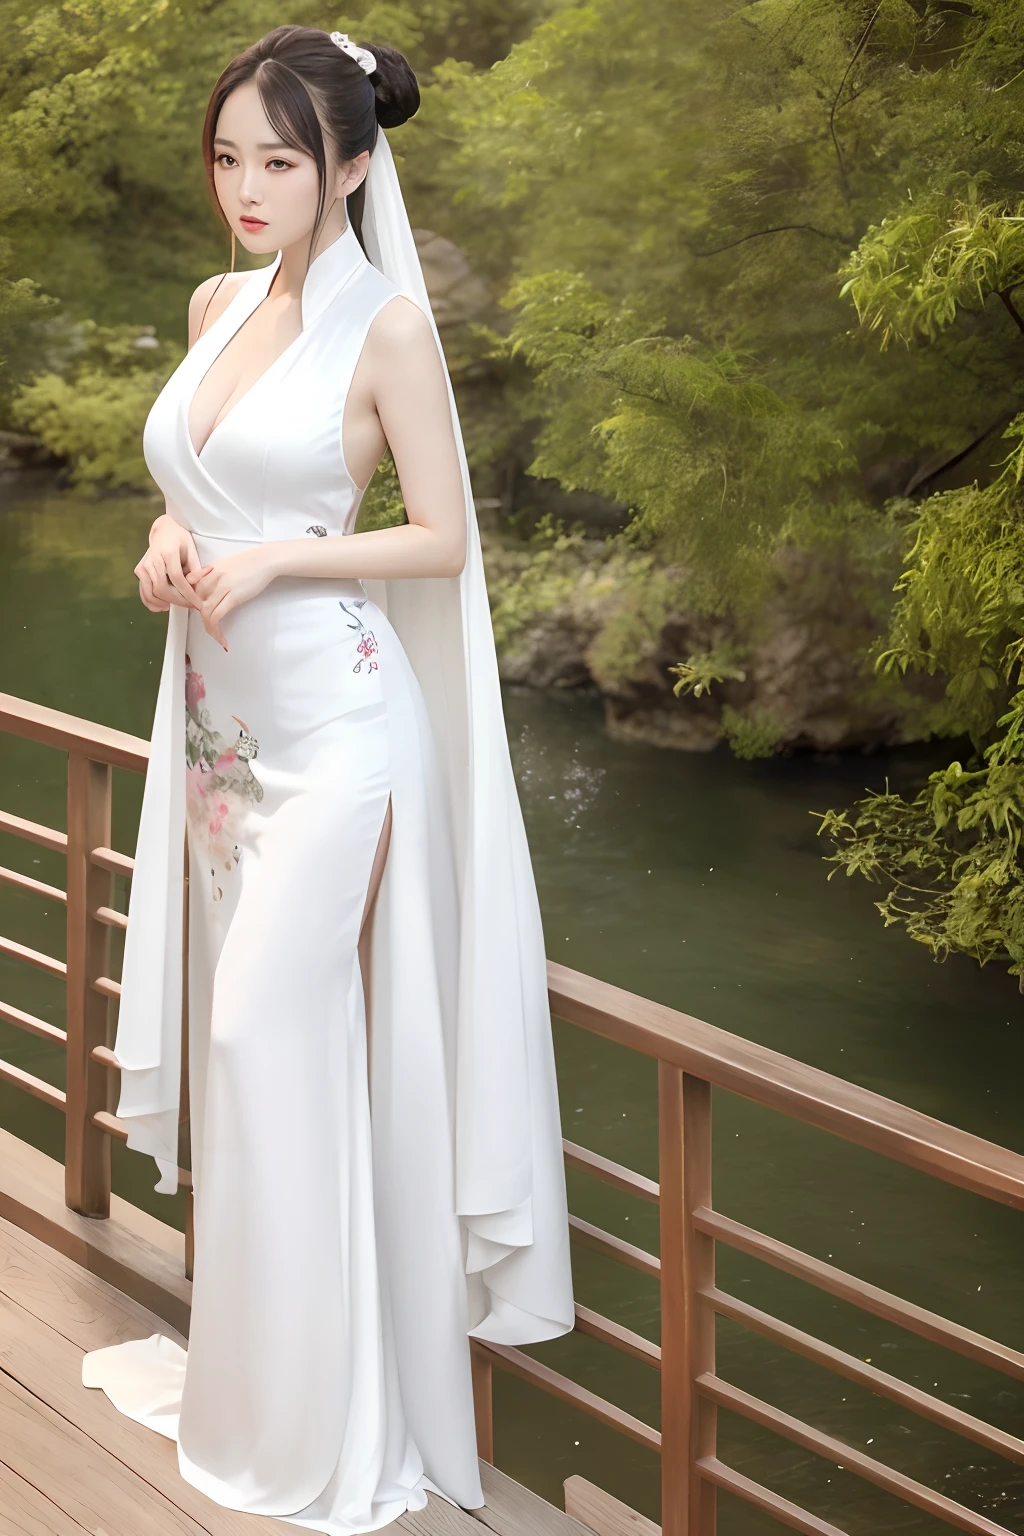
x,y
367,645
318,531
219,782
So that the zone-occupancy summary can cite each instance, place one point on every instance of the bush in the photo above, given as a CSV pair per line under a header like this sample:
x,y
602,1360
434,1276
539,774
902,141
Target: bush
x,y
93,414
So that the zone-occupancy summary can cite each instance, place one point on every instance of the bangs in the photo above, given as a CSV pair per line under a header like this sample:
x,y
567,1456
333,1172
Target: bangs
x,y
290,110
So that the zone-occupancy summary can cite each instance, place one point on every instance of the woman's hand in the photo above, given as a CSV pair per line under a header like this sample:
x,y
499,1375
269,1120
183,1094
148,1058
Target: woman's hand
x,y
164,569
228,583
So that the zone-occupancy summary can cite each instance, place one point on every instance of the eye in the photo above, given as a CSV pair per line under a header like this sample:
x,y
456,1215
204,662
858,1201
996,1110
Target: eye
x,y
225,160
279,165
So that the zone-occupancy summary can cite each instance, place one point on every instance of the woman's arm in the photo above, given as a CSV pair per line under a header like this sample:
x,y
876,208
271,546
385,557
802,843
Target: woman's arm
x,y
403,371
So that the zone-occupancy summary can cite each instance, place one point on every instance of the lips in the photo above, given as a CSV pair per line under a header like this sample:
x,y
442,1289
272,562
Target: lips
x,y
253,223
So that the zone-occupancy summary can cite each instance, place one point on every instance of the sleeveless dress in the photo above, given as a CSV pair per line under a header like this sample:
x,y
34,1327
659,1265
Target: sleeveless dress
x,y
327,1376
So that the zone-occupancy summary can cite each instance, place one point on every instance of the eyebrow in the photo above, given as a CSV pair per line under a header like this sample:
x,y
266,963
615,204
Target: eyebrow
x,y
230,144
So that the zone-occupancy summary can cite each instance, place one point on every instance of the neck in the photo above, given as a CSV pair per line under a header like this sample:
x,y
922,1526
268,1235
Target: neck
x,y
296,259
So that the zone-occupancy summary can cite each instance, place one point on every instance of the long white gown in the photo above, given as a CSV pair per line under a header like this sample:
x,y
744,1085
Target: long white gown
x,y
354,1224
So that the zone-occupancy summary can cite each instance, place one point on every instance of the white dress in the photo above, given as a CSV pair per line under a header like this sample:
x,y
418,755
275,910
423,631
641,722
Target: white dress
x,y
354,1221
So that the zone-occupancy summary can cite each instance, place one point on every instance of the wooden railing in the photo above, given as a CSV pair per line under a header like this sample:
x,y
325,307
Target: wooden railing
x,y
693,1057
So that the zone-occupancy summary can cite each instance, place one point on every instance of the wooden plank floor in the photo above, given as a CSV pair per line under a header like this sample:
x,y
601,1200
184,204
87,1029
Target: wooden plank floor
x,y
70,1463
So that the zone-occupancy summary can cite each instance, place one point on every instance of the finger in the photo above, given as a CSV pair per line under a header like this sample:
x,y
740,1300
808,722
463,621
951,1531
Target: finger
x,y
153,605
191,561
161,591
165,592
176,580
217,614
146,587
162,588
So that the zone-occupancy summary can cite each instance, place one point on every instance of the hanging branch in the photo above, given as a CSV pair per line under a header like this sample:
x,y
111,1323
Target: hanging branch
x,y
924,477
862,44
1011,308
776,229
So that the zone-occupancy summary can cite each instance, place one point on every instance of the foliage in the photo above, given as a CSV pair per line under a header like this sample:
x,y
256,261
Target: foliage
x,y
677,212
93,413
22,309
719,665
912,274
686,204
753,732
544,582
382,505
103,200
951,856
688,217
951,264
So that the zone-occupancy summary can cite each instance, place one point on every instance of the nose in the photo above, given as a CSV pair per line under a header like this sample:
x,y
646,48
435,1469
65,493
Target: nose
x,y
251,190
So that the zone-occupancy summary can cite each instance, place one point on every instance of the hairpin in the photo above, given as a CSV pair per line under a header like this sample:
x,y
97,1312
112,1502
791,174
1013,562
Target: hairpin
x,y
363,57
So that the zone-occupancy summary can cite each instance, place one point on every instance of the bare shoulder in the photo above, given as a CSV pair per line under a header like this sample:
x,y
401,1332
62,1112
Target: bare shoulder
x,y
401,327
210,300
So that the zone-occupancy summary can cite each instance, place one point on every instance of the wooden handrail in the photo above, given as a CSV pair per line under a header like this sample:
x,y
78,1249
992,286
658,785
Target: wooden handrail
x,y
693,1057
53,728
778,1082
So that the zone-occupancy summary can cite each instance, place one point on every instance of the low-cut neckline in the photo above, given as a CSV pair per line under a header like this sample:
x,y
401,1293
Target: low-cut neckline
x,y
216,357
344,253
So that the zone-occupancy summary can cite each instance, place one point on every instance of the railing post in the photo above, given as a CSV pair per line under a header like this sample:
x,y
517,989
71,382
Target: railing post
x,y
184,1100
688,1423
483,1400
86,1147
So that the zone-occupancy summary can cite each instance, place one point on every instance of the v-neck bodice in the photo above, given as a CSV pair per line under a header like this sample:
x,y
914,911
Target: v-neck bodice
x,y
273,467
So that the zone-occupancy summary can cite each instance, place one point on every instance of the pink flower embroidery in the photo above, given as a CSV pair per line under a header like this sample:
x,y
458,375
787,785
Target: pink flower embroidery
x,y
366,646
195,688
367,649
219,782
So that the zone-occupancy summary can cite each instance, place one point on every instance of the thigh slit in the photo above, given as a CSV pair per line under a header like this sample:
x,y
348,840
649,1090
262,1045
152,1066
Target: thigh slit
x,y
366,926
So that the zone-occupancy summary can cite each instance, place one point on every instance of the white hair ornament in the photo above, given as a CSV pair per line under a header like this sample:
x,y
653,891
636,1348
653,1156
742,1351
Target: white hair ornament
x,y
364,58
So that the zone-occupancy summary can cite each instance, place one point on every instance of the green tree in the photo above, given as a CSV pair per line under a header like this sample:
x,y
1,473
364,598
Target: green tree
x,y
103,202
674,190
950,857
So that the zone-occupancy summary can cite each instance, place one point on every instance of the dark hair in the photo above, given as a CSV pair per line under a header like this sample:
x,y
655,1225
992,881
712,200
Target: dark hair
x,y
304,79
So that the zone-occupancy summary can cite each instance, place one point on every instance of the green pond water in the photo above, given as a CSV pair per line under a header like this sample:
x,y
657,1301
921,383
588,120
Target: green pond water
x,y
694,880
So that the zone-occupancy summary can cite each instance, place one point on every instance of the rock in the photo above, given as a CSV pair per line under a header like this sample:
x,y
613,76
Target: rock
x,y
456,292
807,682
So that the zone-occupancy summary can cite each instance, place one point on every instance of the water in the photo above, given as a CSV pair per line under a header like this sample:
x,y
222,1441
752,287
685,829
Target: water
x,y
697,881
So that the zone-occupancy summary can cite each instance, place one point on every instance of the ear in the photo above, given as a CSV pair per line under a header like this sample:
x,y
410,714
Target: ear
x,y
351,174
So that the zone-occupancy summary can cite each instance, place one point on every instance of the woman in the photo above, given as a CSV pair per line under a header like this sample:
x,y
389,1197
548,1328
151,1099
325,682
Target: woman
x,y
354,839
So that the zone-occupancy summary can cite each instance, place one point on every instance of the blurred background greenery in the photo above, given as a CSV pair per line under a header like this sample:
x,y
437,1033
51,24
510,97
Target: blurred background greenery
x,y
728,292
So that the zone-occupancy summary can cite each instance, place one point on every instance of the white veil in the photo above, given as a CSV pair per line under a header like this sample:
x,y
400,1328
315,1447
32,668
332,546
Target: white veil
x,y
510,1186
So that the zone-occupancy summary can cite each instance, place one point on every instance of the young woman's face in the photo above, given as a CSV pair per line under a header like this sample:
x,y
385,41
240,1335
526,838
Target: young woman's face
x,y
268,190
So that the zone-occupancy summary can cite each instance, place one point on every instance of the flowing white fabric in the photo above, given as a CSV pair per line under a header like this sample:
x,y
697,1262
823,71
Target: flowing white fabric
x,y
504,1031
467,1229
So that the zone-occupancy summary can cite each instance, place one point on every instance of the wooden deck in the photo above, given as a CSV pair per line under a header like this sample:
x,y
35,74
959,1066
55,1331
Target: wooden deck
x,y
70,1463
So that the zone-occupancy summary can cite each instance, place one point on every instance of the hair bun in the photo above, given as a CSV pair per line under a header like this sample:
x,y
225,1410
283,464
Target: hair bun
x,y
394,85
